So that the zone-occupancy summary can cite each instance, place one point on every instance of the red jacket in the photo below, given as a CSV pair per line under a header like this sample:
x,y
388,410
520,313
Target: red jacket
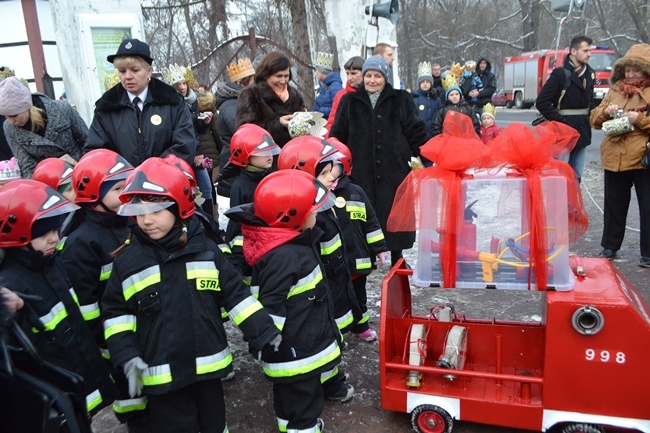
x,y
489,133
335,106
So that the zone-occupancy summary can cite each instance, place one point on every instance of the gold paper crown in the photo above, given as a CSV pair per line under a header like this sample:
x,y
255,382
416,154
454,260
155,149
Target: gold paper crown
x,y
489,109
6,71
175,73
456,70
470,66
324,60
111,80
449,81
241,69
424,68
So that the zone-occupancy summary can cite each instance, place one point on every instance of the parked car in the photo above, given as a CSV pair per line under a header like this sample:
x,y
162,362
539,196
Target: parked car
x,y
499,99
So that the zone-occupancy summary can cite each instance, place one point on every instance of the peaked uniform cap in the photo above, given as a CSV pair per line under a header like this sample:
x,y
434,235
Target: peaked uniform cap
x,y
132,47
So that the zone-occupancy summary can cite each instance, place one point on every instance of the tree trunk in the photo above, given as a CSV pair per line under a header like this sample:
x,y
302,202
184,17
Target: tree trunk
x,y
302,46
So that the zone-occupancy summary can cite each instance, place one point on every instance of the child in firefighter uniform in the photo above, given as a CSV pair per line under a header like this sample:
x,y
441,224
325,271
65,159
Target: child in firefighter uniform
x,y
171,280
31,213
281,246
57,174
316,157
362,236
97,182
252,150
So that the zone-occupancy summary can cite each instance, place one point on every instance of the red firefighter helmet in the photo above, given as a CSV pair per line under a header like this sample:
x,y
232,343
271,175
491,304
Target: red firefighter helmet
x,y
24,201
346,159
284,199
249,140
53,172
304,153
93,169
155,185
183,165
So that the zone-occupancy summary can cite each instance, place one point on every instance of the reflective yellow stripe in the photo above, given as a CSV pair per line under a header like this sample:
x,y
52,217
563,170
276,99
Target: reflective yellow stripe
x,y
305,365
140,281
224,314
90,311
127,322
157,375
355,206
225,248
105,272
306,283
75,298
237,241
364,263
130,405
278,321
212,363
205,269
255,291
345,320
53,318
324,376
375,236
282,425
93,400
244,310
364,319
327,248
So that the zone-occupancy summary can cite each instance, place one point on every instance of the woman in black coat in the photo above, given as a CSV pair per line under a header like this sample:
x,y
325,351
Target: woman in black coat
x,y
381,127
271,101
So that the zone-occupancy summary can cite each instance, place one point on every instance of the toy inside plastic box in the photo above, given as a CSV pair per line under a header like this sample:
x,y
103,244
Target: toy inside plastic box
x,y
493,234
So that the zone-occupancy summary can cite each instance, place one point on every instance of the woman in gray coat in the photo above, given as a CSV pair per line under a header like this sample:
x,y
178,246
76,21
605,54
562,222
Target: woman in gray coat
x,y
38,127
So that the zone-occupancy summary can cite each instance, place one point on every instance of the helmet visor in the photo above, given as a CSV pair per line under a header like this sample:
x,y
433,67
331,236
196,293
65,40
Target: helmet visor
x,y
266,149
324,200
141,205
60,210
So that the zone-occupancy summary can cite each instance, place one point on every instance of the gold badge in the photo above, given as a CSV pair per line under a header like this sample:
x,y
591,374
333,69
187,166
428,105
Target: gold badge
x,y
421,107
340,202
156,120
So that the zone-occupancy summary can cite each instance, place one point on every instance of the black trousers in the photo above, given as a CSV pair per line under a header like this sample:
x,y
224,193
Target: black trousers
x,y
618,187
298,403
199,407
359,284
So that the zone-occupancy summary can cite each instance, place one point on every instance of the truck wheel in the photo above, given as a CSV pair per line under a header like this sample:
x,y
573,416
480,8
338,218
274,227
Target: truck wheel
x,y
508,104
582,428
519,100
429,418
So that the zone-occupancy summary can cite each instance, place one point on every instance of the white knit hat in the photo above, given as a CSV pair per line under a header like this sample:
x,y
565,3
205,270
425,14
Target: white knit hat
x,y
15,98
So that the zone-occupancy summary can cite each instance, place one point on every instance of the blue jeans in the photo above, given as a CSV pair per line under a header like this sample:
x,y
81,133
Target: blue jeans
x,y
576,160
204,183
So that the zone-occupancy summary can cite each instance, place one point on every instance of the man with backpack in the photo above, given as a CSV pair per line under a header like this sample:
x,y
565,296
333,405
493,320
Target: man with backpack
x,y
567,97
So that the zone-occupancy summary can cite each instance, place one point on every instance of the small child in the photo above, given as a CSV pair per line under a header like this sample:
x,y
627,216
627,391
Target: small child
x,y
489,128
57,174
470,81
280,244
31,214
454,102
170,279
252,150
315,157
362,236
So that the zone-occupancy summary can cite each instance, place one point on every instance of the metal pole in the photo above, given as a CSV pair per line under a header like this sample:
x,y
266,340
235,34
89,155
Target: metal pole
x,y
559,31
35,42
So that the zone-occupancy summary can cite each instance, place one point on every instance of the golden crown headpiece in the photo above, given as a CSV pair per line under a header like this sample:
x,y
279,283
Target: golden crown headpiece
x,y
175,73
449,81
456,70
241,69
424,68
111,80
6,71
324,61
489,109
470,66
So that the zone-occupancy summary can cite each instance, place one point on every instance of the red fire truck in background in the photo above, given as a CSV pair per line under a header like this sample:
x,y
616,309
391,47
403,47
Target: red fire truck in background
x,y
524,75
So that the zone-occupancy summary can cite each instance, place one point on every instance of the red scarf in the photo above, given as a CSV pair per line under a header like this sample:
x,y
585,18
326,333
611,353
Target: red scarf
x,y
634,87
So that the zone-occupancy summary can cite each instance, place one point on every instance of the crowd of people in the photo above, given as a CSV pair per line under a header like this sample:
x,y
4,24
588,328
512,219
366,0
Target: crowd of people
x,y
114,261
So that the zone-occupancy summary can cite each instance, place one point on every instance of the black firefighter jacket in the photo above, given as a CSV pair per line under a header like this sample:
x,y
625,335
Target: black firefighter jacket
x,y
164,126
362,235
580,94
87,259
55,323
382,141
293,289
163,303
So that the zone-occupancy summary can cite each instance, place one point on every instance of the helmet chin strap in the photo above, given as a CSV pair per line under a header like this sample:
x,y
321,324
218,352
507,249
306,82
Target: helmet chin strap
x,y
101,203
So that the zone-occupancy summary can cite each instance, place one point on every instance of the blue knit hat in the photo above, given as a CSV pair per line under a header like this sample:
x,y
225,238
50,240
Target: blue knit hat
x,y
376,63
453,88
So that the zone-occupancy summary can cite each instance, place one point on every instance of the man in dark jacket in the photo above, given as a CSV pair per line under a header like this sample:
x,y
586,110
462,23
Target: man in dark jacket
x,y
484,95
577,101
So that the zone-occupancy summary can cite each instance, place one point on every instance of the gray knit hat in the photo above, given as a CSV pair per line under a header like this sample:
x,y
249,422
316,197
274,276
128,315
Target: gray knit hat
x,y
376,63
15,98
